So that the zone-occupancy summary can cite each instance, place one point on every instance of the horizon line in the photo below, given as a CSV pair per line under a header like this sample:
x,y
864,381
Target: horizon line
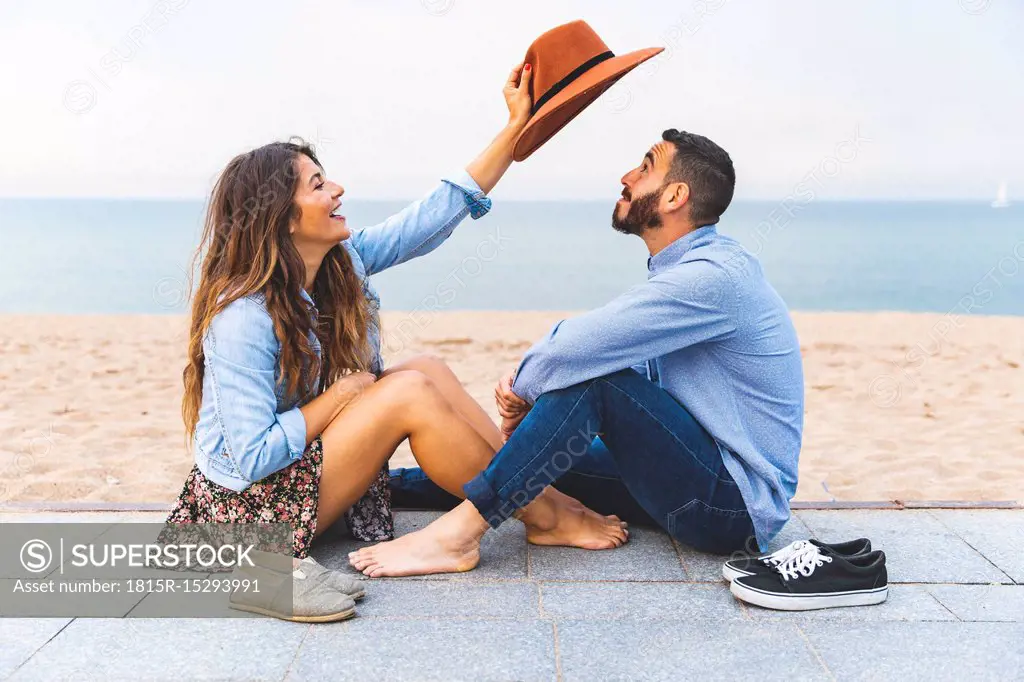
x,y
864,199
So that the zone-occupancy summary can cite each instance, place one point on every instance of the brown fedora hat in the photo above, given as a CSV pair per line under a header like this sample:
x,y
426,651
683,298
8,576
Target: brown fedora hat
x,y
572,67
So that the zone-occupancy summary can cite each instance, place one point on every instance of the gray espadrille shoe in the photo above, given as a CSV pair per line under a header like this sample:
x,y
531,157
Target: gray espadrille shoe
x,y
342,582
338,580
298,596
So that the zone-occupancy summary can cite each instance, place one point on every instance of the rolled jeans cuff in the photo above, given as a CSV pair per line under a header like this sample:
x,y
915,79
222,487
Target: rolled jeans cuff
x,y
486,500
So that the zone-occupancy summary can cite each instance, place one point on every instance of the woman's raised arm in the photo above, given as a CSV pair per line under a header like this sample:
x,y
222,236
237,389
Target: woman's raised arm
x,y
487,168
423,225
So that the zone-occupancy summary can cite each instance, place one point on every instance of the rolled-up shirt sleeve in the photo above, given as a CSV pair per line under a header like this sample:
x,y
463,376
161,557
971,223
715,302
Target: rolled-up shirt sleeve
x,y
421,226
667,313
240,357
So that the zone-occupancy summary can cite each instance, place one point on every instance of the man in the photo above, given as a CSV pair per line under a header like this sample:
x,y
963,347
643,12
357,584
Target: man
x,y
693,381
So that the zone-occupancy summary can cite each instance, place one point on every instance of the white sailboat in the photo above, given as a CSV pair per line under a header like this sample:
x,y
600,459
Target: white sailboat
x,y
1001,201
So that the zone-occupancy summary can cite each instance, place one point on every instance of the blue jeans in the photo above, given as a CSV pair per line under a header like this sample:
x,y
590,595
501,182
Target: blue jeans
x,y
621,445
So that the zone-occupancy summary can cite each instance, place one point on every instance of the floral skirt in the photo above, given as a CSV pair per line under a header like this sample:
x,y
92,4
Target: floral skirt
x,y
288,496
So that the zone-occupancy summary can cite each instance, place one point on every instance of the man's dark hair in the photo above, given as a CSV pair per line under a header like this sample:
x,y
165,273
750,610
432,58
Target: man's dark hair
x,y
707,169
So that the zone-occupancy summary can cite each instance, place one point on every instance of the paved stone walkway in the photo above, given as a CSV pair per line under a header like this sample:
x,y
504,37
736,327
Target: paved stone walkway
x,y
651,610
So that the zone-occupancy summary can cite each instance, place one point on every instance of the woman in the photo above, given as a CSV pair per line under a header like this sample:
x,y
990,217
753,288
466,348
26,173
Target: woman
x,y
291,414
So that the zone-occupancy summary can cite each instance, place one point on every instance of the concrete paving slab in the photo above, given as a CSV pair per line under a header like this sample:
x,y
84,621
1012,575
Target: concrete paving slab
x,y
22,637
381,649
639,601
16,601
450,599
920,651
648,556
35,553
996,533
201,597
159,649
83,517
918,548
663,650
982,602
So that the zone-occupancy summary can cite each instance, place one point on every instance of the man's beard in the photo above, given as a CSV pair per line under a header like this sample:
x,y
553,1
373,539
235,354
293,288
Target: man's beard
x,y
641,216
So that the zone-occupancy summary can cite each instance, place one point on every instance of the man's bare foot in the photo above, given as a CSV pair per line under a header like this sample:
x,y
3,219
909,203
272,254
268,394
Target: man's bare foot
x,y
451,544
557,519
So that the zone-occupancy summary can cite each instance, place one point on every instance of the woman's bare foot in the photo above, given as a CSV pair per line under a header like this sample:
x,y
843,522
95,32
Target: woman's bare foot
x,y
557,519
451,544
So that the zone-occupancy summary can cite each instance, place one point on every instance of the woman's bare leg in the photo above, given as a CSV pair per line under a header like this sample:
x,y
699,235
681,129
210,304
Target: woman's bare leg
x,y
452,389
366,433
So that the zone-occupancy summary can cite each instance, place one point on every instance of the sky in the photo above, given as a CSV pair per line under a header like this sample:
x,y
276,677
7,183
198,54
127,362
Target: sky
x,y
917,99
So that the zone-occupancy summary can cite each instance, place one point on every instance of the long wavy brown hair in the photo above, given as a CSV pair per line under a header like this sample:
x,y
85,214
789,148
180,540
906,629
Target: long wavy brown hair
x,y
246,248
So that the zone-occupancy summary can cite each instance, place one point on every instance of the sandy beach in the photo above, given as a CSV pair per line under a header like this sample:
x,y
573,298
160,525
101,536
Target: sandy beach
x,y
899,406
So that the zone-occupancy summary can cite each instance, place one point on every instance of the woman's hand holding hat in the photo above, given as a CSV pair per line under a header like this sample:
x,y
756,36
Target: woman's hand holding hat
x,y
517,95
487,168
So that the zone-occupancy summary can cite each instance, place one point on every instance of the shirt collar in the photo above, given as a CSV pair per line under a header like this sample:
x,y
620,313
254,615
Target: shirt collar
x,y
671,254
309,300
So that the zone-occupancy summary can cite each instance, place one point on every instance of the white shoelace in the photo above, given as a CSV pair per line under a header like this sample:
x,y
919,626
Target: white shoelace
x,y
802,563
786,552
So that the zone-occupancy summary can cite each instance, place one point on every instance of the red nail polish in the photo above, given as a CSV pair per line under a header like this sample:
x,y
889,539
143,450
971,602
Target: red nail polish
x,y
527,67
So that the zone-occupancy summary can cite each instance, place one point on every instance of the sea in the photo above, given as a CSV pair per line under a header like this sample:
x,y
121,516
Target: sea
x,y
121,256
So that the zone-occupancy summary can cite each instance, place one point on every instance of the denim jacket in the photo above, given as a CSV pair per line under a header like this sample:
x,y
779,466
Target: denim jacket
x,y
248,428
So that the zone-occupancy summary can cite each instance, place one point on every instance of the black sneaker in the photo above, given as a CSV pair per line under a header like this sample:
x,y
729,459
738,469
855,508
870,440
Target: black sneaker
x,y
817,578
765,564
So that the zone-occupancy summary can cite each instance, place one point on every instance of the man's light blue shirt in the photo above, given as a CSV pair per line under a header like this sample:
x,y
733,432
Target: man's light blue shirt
x,y
709,329
248,428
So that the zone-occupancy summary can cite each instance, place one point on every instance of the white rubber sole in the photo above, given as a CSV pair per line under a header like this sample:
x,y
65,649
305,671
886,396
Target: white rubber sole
x,y
730,573
809,602
323,618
